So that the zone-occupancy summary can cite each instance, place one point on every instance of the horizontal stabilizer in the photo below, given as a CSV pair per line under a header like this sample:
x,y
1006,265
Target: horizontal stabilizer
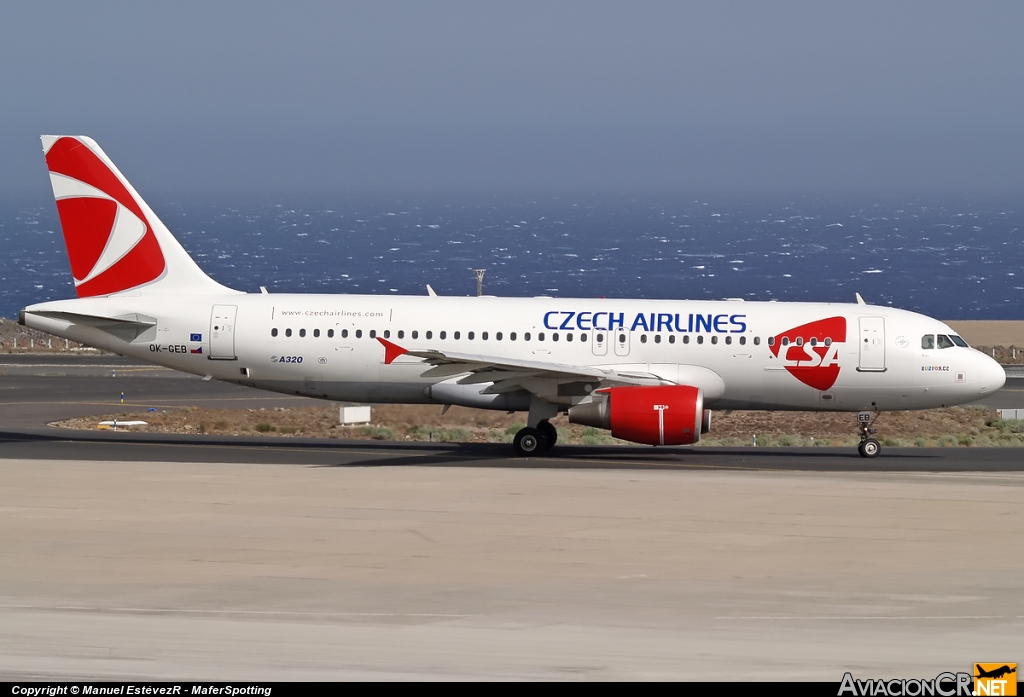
x,y
127,327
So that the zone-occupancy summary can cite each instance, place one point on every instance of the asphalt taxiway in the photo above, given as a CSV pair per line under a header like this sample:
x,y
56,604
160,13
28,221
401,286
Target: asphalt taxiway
x,y
36,390
137,556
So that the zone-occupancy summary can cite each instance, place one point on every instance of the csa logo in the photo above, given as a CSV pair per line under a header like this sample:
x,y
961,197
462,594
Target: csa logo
x,y
110,243
995,679
811,351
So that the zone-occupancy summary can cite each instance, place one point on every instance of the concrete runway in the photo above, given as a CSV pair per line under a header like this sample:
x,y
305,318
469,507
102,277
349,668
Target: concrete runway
x,y
129,556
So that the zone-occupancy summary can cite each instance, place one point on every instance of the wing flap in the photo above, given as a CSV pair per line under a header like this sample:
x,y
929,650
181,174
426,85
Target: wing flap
x,y
504,375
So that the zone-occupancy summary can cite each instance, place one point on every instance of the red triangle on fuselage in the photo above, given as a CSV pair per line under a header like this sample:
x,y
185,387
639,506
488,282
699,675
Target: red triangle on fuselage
x,y
391,351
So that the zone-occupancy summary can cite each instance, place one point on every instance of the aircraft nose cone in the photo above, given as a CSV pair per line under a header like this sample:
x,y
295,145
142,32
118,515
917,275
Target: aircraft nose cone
x,y
991,376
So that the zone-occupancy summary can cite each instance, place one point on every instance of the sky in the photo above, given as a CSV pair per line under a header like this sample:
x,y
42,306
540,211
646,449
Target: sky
x,y
391,97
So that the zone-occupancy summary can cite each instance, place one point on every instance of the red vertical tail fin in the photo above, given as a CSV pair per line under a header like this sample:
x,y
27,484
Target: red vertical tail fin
x,y
114,240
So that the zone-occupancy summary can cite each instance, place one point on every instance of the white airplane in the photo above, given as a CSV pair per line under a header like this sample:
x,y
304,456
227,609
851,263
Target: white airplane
x,y
648,370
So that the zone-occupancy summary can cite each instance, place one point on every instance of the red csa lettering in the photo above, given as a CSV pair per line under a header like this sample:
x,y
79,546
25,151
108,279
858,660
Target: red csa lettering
x,y
814,356
816,365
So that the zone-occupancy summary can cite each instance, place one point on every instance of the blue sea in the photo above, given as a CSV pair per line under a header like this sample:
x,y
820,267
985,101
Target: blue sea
x,y
952,259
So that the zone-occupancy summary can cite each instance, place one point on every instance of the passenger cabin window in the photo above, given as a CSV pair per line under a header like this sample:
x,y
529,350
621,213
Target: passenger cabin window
x,y
471,335
457,335
287,332
415,334
714,339
330,333
771,341
444,335
401,334
757,341
497,336
512,336
671,338
359,333
430,335
483,336
728,339
686,339
316,333
373,333
273,332
928,341
743,341
643,338
568,337
700,338
944,341
387,333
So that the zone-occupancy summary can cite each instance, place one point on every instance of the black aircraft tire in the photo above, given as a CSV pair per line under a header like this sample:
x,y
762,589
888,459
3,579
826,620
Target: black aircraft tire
x,y
550,434
529,442
870,448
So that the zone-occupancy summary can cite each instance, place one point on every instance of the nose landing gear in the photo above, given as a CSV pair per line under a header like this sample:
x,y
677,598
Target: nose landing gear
x,y
869,446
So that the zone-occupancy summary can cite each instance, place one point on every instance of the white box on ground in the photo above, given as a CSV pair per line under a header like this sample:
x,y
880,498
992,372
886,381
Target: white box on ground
x,y
354,415
1011,413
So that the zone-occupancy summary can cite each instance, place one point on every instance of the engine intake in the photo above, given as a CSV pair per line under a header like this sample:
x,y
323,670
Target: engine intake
x,y
655,415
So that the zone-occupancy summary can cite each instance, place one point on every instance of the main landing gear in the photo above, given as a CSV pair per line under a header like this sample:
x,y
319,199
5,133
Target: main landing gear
x,y
530,442
869,446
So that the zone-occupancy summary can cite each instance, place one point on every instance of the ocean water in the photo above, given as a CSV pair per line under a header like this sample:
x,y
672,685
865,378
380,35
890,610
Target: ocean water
x,y
952,259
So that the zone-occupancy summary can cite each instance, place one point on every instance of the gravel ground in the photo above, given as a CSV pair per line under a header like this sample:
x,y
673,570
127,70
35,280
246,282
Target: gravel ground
x,y
957,426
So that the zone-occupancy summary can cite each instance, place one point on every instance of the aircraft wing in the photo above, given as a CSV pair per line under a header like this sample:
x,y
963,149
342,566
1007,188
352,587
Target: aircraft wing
x,y
511,374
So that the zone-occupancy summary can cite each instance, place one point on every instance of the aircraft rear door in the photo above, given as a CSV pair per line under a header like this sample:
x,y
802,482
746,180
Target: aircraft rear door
x,y
872,345
222,332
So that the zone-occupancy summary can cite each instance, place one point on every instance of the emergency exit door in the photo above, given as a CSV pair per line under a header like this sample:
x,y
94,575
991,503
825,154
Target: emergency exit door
x,y
621,342
222,332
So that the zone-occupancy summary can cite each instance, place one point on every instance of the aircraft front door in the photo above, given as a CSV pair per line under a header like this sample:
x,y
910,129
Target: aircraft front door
x,y
600,342
222,332
872,345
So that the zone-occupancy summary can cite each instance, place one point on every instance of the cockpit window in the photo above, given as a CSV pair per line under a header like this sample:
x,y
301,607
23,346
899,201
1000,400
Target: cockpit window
x,y
945,342
958,341
928,341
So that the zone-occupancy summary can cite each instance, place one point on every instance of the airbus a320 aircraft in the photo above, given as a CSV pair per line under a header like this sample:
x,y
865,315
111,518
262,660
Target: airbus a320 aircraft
x,y
648,370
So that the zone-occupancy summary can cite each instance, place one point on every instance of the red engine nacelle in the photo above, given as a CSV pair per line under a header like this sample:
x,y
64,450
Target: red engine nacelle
x,y
656,415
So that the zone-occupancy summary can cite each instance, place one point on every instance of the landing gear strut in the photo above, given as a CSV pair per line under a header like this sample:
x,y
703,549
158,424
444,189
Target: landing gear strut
x,y
869,446
530,442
